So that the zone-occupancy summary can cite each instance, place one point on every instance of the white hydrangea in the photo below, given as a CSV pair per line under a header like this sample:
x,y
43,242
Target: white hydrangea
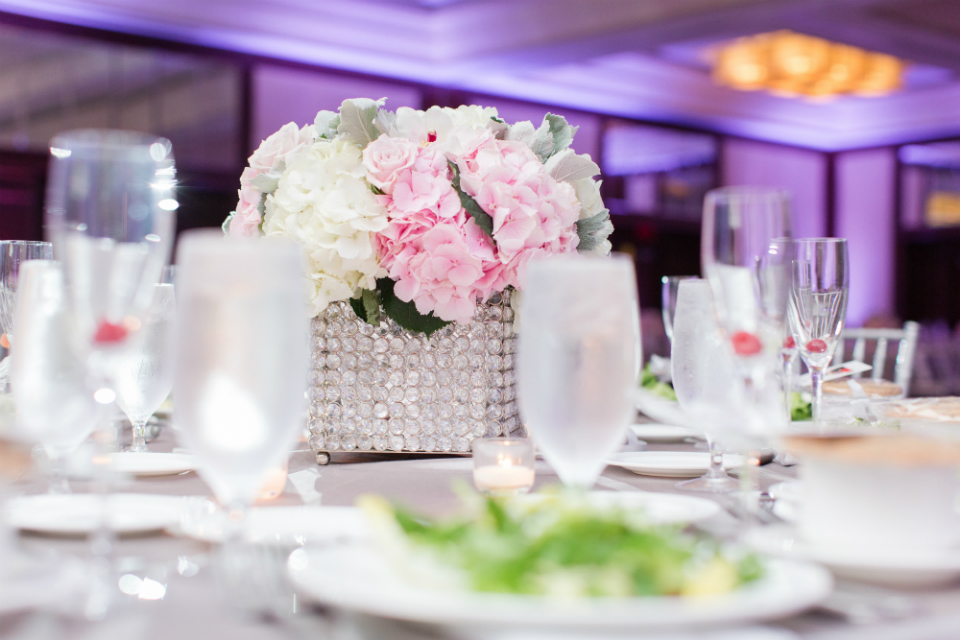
x,y
323,201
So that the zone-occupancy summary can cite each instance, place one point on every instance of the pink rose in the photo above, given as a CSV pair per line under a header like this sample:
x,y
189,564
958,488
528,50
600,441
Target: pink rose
x,y
246,222
385,157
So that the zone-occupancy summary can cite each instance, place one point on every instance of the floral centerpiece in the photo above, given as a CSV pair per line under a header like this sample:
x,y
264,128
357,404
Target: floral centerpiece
x,y
416,227
423,212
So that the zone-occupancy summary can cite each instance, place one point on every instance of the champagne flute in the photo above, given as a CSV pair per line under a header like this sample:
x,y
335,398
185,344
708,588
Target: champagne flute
x,y
744,252
578,360
705,379
144,374
241,361
818,305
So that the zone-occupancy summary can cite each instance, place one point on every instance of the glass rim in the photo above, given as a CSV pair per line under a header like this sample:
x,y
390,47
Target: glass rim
x,y
26,243
744,190
114,141
818,240
667,279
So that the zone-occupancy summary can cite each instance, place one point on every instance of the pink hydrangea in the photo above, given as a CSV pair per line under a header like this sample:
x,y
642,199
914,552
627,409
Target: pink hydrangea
x,y
434,250
289,140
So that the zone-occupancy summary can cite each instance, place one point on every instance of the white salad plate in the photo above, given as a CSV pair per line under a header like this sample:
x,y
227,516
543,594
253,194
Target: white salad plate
x,y
80,513
670,464
662,433
282,526
653,508
659,408
907,567
149,463
360,579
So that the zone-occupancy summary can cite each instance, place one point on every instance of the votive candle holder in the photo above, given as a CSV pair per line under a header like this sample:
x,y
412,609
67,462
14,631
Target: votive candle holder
x,y
503,466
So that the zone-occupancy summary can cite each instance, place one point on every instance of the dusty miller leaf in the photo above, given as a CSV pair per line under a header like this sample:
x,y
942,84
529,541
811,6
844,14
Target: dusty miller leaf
x,y
562,131
588,228
386,122
481,217
543,142
268,182
405,314
226,223
326,124
567,166
357,118
522,132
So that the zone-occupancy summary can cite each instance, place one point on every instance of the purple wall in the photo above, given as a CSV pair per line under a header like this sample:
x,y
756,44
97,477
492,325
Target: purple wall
x,y
865,217
801,172
282,95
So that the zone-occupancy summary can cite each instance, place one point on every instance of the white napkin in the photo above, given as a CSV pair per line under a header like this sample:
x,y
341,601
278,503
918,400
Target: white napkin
x,y
305,482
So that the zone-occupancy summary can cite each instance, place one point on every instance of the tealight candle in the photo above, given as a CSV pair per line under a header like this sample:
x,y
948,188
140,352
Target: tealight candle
x,y
503,466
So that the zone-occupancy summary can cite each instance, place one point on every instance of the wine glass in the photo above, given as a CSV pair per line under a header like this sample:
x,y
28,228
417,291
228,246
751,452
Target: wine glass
x,y
578,360
110,214
668,298
745,248
818,305
144,375
240,360
705,379
54,407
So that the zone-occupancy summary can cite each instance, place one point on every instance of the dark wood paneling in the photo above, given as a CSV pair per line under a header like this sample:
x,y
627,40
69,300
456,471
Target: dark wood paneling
x,y
22,180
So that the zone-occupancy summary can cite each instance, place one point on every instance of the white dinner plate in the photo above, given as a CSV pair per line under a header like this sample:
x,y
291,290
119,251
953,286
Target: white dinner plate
x,y
662,433
149,463
656,508
80,513
670,464
288,526
359,579
914,567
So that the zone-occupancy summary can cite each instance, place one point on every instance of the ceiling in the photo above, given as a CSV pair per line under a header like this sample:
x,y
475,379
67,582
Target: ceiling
x,y
633,58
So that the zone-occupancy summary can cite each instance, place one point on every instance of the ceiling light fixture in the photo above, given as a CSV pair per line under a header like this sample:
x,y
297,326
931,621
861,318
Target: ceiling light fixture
x,y
792,64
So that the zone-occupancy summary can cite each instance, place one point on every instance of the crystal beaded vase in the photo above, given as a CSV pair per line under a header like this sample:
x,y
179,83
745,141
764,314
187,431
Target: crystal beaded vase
x,y
388,389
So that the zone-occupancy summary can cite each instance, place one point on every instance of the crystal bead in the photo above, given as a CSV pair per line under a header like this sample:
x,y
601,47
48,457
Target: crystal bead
x,y
365,443
333,345
478,429
364,393
413,361
429,411
444,361
333,442
413,378
349,376
460,410
411,427
349,344
381,427
396,345
445,409
365,410
477,411
380,376
461,428
380,443
412,394
348,393
494,363
463,444
428,426
380,345
428,394
380,410
395,378
396,394
332,393
477,395
365,427
461,394
444,427
333,376
446,345
396,410
349,410
476,361
428,361
461,344
412,443
428,443
494,429
445,394
414,345
395,427
428,378
348,443
396,443
494,412
365,376
365,344
381,394
349,361
332,411
444,444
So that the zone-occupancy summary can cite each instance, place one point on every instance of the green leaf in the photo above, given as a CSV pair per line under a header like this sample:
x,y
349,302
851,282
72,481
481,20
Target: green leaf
x,y
357,121
405,314
567,166
481,217
367,307
226,223
562,131
268,182
326,124
496,119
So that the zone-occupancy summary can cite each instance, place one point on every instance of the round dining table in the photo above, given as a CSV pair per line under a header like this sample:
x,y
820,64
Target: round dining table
x,y
194,604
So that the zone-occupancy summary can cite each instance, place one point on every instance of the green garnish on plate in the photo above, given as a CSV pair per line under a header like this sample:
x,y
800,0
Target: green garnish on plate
x,y
561,545
651,383
800,408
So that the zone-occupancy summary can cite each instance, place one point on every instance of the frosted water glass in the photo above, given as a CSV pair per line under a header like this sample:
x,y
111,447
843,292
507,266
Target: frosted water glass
x,y
578,360
143,376
13,254
670,286
705,379
54,406
241,358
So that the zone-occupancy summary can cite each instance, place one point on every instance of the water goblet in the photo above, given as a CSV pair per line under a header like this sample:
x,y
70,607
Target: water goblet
x,y
578,360
668,299
13,253
240,361
744,251
818,305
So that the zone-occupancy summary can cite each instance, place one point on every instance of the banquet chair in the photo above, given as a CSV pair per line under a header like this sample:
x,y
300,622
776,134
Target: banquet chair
x,y
906,345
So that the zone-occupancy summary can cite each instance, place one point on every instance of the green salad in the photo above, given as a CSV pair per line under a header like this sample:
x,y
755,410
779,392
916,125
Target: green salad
x,y
800,407
558,545
651,383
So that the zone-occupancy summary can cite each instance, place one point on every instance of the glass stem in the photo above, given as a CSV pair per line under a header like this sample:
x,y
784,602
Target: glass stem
x,y
816,381
138,441
716,459
786,361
